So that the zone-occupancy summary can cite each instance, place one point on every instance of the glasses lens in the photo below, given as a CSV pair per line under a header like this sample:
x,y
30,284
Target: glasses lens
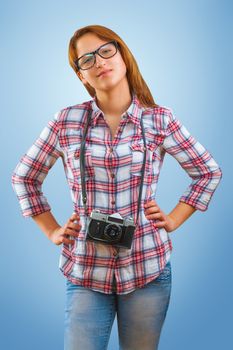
x,y
108,50
86,61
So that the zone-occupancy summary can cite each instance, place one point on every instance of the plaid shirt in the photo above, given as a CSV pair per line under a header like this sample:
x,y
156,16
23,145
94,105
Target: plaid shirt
x,y
113,173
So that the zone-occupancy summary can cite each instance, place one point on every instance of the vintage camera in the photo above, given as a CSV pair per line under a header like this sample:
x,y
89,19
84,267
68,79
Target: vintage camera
x,y
109,229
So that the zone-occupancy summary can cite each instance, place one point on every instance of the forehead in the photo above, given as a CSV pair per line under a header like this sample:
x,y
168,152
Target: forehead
x,y
88,42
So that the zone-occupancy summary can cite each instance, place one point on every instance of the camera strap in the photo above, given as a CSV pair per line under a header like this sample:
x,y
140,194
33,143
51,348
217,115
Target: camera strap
x,y
82,165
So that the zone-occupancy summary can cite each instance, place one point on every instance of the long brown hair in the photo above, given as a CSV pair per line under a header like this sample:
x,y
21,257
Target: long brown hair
x,y
137,85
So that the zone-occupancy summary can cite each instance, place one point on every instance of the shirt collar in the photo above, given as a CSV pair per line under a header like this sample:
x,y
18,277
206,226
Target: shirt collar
x,y
133,113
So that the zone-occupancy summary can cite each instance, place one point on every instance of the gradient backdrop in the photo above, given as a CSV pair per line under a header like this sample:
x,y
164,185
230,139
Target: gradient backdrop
x,y
184,52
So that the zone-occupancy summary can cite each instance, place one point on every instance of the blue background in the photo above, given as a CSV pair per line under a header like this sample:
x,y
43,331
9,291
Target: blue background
x,y
184,52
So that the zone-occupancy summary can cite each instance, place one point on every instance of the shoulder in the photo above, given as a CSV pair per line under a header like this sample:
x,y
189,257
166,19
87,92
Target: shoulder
x,y
71,114
160,117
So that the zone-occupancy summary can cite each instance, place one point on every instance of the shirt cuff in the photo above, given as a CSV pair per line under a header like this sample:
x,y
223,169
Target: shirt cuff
x,y
31,206
195,202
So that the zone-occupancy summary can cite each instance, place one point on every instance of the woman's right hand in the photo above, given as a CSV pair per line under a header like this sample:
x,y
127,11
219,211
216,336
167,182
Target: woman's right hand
x,y
70,229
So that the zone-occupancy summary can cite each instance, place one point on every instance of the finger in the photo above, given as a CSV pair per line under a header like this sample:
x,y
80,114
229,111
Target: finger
x,y
74,217
160,223
151,204
70,232
67,240
74,226
152,209
155,216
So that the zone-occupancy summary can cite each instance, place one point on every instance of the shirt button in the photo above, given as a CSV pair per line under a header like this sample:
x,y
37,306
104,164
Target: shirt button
x,y
111,149
115,253
112,175
113,202
76,155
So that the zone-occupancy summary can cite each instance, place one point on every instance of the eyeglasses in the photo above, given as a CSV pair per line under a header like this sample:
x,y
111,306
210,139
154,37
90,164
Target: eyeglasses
x,y
88,60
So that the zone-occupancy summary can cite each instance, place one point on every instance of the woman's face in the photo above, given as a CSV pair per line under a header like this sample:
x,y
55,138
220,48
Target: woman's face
x,y
116,77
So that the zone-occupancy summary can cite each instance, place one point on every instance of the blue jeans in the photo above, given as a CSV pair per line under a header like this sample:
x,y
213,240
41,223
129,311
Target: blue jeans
x,y
89,315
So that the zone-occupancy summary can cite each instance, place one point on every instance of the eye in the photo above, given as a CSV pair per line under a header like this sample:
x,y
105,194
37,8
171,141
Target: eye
x,y
108,50
87,59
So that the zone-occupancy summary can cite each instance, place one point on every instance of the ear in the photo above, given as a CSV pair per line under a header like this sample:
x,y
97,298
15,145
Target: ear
x,y
81,78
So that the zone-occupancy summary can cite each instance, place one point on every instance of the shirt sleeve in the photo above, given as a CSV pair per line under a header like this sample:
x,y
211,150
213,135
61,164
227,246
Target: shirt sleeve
x,y
195,160
32,169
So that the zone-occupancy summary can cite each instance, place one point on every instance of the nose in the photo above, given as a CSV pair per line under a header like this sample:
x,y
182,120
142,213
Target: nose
x,y
99,61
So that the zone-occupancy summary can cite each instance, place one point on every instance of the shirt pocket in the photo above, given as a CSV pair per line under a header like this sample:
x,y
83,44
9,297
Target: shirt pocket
x,y
73,163
137,149
70,137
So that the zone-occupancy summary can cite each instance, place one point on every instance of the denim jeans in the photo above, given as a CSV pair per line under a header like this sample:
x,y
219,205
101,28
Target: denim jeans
x,y
89,315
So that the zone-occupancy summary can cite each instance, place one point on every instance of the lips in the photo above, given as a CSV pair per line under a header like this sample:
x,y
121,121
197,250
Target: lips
x,y
104,71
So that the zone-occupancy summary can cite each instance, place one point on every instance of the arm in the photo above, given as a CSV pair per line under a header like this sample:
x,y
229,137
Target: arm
x,y
32,169
56,233
199,165
180,214
27,182
47,223
172,221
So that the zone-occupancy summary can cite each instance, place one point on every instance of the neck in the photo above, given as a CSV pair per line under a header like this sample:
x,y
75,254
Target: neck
x,y
113,103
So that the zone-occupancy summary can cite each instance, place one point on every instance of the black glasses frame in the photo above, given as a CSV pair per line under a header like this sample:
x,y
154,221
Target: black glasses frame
x,y
76,62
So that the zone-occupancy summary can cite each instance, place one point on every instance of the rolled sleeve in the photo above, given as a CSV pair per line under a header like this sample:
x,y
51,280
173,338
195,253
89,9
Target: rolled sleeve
x,y
195,160
32,169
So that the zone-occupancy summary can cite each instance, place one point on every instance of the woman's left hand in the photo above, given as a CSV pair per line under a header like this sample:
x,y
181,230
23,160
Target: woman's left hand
x,y
152,211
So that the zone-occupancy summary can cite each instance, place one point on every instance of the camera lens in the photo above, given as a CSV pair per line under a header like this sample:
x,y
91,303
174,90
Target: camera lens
x,y
112,232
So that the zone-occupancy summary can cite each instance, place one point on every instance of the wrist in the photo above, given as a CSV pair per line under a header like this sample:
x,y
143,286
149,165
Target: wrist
x,y
50,232
172,224
180,214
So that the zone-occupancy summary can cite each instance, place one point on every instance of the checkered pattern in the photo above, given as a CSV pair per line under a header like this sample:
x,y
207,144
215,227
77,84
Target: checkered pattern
x,y
112,174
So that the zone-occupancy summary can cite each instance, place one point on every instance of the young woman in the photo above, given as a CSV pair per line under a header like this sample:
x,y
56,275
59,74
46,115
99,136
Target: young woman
x,y
105,277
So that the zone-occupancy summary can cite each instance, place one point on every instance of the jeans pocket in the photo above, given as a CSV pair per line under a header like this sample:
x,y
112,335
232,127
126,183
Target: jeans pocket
x,y
165,275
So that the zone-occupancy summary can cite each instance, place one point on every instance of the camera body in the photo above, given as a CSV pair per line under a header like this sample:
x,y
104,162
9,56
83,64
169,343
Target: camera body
x,y
111,230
